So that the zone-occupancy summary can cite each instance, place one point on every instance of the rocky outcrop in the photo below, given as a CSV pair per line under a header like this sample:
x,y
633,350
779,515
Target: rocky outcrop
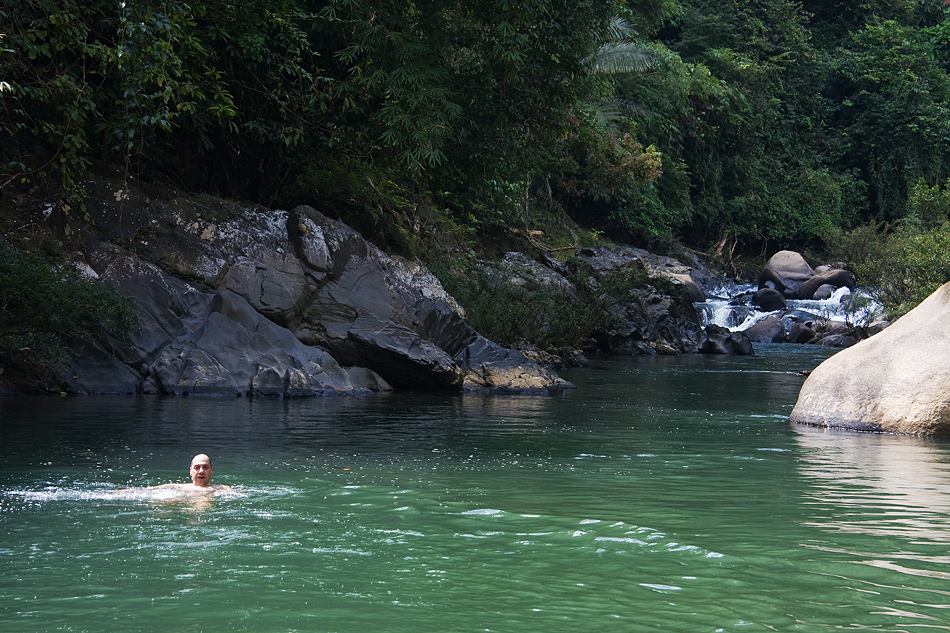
x,y
194,342
241,300
645,319
897,381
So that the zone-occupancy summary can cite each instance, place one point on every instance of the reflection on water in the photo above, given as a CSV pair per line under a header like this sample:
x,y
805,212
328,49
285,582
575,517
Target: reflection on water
x,y
896,490
665,494
877,484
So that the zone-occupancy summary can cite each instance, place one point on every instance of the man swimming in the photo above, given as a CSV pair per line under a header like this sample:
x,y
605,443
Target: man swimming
x,y
200,471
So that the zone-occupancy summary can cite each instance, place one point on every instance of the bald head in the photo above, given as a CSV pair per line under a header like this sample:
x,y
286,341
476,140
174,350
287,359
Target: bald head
x,y
201,470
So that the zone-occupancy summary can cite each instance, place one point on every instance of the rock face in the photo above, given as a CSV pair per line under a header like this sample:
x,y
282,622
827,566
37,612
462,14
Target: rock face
x,y
645,320
275,303
897,381
194,342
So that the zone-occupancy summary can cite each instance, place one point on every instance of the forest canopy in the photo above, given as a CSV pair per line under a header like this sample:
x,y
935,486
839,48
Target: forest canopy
x,y
756,124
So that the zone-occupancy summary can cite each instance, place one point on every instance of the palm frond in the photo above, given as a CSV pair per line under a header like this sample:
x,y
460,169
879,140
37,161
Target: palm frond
x,y
620,30
614,58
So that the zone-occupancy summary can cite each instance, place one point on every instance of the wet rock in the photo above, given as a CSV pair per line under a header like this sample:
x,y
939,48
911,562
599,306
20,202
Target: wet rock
x,y
836,278
719,340
770,330
801,333
823,292
769,300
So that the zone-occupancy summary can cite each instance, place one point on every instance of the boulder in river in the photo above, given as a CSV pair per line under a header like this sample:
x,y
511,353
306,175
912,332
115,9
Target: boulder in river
x,y
801,333
897,381
786,271
835,278
770,330
720,340
769,300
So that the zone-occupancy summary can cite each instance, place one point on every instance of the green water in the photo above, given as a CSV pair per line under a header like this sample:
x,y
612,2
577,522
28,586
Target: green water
x,y
666,494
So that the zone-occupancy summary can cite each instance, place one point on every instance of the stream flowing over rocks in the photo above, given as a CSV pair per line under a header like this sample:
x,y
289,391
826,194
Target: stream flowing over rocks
x,y
793,303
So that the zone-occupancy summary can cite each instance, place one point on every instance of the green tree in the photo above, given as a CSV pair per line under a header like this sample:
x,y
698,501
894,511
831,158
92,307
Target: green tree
x,y
736,111
890,118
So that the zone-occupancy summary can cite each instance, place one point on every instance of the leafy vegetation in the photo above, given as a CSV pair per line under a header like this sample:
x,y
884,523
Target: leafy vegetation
x,y
530,312
738,128
43,306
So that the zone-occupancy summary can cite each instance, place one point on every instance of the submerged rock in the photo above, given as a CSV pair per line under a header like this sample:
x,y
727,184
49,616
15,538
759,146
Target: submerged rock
x,y
897,381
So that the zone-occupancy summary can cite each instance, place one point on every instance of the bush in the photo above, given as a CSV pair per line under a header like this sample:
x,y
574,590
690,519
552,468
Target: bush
x,y
928,206
520,314
44,306
906,267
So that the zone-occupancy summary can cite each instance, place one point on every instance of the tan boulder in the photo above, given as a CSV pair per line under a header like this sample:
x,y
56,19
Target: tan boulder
x,y
897,381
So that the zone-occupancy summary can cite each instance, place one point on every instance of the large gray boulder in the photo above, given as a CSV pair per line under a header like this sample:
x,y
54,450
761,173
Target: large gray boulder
x,y
897,381
786,271
194,342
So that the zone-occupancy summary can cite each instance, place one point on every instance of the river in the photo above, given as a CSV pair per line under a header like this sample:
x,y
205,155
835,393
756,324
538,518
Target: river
x,y
665,494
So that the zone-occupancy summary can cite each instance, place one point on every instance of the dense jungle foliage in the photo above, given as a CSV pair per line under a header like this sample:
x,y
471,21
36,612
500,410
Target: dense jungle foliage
x,y
737,127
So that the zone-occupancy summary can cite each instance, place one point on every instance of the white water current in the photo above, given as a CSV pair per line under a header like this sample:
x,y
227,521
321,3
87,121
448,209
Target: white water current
x,y
724,307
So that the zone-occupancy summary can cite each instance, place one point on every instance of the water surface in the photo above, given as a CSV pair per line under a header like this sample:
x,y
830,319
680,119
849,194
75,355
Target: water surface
x,y
665,494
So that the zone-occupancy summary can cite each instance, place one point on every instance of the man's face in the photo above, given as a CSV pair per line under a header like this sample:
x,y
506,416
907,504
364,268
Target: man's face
x,y
201,470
